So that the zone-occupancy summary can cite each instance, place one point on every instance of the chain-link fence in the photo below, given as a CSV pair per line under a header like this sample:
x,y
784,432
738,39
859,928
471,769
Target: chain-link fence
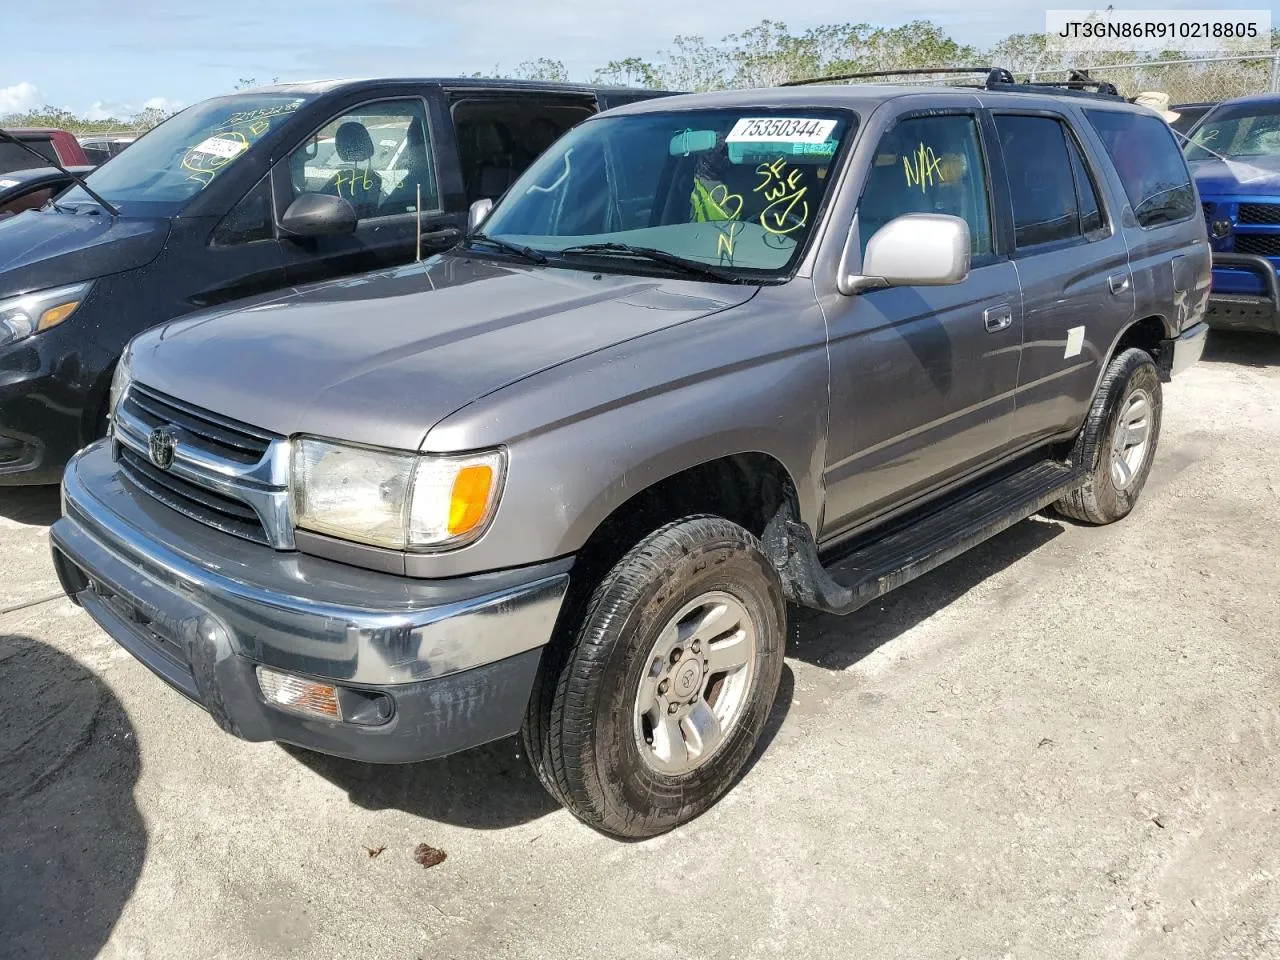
x,y
1208,79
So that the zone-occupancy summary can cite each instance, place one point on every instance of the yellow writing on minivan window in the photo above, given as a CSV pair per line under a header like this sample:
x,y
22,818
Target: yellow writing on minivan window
x,y
784,186
923,168
352,179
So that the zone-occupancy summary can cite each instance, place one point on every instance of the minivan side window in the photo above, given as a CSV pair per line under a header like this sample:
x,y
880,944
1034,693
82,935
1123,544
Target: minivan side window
x,y
376,156
929,165
1150,165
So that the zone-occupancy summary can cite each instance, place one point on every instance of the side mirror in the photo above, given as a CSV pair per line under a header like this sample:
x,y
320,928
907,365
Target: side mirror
x,y
477,214
914,250
318,215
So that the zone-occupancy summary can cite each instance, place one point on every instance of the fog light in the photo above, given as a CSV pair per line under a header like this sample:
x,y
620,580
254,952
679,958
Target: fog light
x,y
300,695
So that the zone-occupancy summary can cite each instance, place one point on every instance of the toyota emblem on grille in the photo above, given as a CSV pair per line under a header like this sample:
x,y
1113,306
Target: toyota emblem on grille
x,y
161,447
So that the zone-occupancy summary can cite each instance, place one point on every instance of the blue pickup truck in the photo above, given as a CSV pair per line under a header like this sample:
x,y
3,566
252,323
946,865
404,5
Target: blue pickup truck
x,y
1234,155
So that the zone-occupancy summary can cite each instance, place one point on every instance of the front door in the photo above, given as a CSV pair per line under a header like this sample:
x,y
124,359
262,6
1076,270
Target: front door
x,y
922,378
379,156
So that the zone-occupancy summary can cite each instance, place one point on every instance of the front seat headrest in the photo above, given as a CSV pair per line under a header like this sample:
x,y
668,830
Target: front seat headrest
x,y
353,142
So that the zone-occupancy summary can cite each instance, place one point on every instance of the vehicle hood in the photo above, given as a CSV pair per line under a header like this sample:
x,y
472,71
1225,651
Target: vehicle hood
x,y
381,358
1255,176
40,249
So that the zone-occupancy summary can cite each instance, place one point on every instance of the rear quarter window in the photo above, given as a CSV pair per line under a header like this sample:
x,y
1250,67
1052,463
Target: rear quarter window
x,y
1151,166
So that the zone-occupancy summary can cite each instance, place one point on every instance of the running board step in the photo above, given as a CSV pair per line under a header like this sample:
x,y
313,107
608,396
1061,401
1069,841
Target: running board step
x,y
873,568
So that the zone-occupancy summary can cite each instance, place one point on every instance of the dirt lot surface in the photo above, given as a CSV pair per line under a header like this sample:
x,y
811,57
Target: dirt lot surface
x,y
1061,745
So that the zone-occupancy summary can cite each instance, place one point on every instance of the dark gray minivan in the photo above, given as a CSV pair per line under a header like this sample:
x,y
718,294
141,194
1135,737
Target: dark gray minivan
x,y
710,354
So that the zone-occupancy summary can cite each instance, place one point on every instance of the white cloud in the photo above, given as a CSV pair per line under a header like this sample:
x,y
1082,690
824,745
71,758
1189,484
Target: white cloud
x,y
163,103
106,109
124,110
20,97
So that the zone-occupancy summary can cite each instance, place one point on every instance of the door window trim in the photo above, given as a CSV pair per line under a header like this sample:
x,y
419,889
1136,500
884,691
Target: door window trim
x,y
282,181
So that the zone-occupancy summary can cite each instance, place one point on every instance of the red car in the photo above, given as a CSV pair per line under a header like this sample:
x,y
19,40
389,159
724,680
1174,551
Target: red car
x,y
56,146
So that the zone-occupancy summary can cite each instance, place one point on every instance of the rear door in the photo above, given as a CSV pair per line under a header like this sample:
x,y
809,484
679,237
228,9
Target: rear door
x,y
922,378
380,156
1072,265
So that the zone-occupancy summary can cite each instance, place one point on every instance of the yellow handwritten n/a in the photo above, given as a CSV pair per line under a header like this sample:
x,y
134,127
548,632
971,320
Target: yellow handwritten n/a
x,y
923,168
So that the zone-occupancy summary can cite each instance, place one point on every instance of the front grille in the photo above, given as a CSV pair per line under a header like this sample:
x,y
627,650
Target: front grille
x,y
223,473
1261,244
199,503
1265,213
213,434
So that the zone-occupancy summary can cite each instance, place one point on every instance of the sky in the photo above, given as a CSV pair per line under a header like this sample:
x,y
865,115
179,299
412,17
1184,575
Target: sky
x,y
114,57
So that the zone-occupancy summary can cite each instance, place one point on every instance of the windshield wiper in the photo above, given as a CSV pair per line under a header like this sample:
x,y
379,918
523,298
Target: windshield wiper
x,y
8,137
506,246
683,264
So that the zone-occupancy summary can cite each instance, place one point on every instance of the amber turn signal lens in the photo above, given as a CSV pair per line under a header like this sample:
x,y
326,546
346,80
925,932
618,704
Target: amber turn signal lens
x,y
470,499
299,695
55,315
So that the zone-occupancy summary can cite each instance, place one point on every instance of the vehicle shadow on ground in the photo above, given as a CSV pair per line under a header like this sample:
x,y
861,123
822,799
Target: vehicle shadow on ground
x,y
34,505
835,643
489,788
1249,349
72,842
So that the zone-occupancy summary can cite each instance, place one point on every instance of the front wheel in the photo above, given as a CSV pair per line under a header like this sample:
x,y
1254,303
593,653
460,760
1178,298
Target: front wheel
x,y
650,714
1117,443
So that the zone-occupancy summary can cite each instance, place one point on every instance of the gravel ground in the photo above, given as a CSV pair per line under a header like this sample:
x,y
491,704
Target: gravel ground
x,y
1060,745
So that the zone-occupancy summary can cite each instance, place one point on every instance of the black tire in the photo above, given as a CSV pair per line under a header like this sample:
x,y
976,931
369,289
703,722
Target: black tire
x,y
1100,499
580,727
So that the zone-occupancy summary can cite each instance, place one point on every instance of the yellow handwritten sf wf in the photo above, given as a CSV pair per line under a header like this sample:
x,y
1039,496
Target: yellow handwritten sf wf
x,y
923,168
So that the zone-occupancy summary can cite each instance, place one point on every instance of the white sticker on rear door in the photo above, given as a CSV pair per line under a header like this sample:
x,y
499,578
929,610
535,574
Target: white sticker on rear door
x,y
780,130
1075,342
222,147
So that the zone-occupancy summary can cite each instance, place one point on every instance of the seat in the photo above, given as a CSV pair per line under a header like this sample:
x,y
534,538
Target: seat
x,y
493,167
362,188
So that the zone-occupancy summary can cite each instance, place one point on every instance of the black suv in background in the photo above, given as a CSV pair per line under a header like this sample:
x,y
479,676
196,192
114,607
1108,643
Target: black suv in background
x,y
241,195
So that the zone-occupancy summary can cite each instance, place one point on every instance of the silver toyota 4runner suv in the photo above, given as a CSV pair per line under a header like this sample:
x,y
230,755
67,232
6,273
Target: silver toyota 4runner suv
x,y
710,355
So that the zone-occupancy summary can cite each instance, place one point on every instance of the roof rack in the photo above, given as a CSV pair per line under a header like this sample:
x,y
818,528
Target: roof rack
x,y
1004,76
1079,83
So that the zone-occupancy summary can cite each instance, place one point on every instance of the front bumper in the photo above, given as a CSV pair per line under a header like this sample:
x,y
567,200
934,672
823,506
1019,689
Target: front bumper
x,y
202,609
1244,311
51,386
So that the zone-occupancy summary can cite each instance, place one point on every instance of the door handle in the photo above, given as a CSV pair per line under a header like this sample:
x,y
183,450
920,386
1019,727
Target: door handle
x,y
1118,282
997,318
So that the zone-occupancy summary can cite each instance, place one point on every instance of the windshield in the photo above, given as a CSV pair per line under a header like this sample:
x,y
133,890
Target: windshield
x,y
737,190
1236,131
175,161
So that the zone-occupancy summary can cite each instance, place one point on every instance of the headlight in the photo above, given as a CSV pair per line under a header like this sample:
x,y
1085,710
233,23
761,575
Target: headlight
x,y
402,501
30,313
120,381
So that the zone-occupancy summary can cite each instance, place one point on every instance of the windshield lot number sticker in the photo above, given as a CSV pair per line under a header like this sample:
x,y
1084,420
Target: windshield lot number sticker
x,y
223,147
780,130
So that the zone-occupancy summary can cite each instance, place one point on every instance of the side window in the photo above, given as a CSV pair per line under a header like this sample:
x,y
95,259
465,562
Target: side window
x,y
1150,165
1041,184
1091,223
249,220
376,156
929,165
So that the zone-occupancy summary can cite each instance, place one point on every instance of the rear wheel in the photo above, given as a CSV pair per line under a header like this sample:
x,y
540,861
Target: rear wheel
x,y
1117,443
647,716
